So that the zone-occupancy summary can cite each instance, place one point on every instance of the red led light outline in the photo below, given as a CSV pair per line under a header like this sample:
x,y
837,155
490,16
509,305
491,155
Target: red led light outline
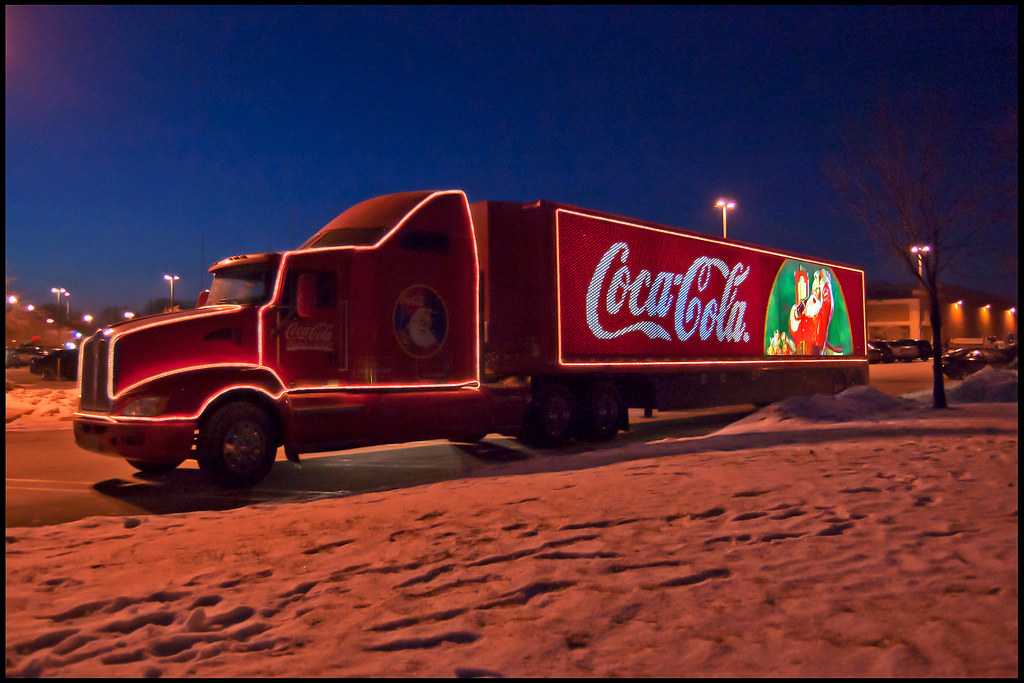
x,y
767,360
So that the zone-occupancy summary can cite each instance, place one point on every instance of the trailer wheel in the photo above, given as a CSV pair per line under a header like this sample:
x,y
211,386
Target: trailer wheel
x,y
236,446
601,412
549,417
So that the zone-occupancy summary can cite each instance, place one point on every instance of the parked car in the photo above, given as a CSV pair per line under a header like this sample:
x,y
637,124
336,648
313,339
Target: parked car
x,y
26,353
960,363
59,364
911,349
880,352
12,358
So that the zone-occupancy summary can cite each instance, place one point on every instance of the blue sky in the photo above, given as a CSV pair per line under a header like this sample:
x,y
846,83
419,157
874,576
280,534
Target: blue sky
x,y
149,140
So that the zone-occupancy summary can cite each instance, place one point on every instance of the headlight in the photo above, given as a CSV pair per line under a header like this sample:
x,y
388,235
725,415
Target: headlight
x,y
145,407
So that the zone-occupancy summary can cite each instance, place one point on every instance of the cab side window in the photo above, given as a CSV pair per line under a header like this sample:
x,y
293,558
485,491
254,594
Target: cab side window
x,y
326,288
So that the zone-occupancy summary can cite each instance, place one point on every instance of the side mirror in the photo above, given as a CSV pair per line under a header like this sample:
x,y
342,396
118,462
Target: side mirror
x,y
203,296
306,299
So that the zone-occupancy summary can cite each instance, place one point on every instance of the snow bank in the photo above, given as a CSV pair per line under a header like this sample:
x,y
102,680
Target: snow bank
x,y
33,409
988,385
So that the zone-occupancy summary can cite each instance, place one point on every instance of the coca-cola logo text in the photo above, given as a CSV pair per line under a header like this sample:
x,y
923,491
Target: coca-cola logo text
x,y
315,337
703,300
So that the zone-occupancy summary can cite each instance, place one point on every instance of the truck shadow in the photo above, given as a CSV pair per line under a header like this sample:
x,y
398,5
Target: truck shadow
x,y
382,468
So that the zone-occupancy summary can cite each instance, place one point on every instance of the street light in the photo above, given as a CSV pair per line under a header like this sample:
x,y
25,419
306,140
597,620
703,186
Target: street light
x,y
920,250
171,279
724,205
56,313
58,292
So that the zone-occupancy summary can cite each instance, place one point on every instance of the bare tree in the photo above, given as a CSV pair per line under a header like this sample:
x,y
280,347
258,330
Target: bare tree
x,y
916,182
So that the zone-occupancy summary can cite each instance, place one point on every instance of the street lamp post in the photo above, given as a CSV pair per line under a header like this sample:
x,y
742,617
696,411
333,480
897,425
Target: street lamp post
x,y
725,205
56,313
58,292
920,250
171,279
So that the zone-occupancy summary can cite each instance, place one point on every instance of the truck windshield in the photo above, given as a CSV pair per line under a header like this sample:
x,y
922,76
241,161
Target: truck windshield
x,y
248,285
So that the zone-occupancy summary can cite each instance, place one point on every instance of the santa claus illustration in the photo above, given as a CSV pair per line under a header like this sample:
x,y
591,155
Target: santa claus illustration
x,y
810,316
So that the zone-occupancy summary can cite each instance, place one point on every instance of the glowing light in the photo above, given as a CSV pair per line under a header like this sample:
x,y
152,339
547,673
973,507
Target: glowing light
x,y
920,250
171,279
724,205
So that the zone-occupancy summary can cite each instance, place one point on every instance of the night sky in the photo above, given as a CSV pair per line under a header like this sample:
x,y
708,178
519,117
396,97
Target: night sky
x,y
149,140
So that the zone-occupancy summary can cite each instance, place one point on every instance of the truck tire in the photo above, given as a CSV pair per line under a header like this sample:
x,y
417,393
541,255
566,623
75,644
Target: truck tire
x,y
549,417
236,447
601,412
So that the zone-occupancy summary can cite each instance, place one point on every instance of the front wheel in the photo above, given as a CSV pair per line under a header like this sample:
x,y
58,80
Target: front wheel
x,y
236,446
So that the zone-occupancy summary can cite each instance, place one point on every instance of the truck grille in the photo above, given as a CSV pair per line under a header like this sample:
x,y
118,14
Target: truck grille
x,y
95,368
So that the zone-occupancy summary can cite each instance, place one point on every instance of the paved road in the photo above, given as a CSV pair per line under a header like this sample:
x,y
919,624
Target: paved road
x,y
50,480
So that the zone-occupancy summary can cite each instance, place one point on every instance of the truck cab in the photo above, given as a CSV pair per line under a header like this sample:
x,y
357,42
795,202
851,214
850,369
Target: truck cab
x,y
366,333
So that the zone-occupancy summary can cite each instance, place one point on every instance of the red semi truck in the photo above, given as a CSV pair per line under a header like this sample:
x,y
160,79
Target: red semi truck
x,y
419,316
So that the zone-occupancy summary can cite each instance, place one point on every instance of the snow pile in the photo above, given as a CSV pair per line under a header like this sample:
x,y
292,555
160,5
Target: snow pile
x,y
856,403
29,409
988,385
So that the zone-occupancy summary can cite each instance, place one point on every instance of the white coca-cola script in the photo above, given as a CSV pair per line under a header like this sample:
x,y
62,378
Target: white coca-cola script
x,y
699,308
315,337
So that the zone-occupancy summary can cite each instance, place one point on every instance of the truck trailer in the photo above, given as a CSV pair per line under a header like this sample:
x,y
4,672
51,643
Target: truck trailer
x,y
418,315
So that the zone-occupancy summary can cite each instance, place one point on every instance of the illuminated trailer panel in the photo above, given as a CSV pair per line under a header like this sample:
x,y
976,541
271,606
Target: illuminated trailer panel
x,y
572,289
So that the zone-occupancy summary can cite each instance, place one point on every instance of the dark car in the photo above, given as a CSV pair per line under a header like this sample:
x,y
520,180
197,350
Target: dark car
x,y
960,363
911,349
880,352
59,364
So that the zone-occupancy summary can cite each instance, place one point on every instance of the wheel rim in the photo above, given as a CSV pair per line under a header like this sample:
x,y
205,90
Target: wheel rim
x,y
243,446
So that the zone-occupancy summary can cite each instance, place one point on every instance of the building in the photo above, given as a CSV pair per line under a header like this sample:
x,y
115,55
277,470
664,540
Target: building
x,y
901,312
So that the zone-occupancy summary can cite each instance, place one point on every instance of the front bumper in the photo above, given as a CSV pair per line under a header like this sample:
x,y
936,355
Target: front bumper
x,y
148,441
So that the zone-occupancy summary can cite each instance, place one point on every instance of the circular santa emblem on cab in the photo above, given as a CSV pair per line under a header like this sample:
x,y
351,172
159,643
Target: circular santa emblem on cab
x,y
420,321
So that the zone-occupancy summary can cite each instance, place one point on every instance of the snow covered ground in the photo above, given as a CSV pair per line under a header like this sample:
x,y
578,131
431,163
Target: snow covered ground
x,y
858,535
